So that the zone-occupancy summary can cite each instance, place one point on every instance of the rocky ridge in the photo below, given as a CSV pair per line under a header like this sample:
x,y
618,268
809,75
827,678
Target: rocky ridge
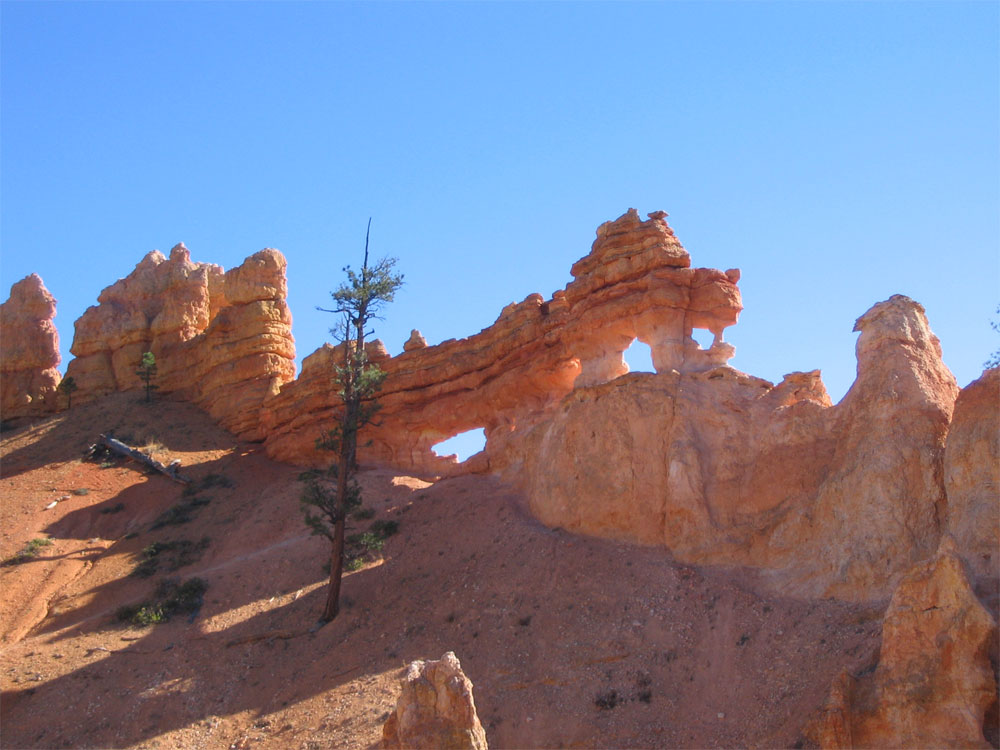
x,y
635,283
28,374
222,340
849,501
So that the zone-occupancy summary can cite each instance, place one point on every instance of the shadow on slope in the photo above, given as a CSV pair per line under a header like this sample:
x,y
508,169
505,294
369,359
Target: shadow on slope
x,y
568,640
65,436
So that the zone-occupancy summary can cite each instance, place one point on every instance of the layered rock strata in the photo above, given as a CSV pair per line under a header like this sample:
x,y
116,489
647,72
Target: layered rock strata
x,y
933,685
435,710
221,339
721,467
636,283
28,374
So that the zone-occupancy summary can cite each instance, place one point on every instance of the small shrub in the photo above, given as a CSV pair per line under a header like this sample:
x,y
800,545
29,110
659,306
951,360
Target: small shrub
x,y
606,700
353,563
29,551
366,542
384,528
180,513
116,508
363,514
184,597
170,598
141,614
310,475
149,563
173,516
81,491
173,555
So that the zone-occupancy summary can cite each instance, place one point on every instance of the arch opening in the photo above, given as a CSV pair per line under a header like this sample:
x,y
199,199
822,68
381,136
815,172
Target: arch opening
x,y
703,337
462,445
639,357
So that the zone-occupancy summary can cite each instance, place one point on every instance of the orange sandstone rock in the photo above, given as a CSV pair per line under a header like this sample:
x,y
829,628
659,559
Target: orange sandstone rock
x,y
724,468
435,710
28,374
972,477
635,283
934,683
221,339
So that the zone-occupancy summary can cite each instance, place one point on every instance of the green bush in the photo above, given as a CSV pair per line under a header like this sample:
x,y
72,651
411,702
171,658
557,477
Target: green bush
x,y
384,528
173,555
171,598
29,551
366,542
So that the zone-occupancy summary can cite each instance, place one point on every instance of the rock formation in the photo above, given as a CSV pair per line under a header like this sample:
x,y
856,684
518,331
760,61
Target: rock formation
x,y
848,500
635,283
972,478
221,339
934,683
435,710
725,468
716,465
28,374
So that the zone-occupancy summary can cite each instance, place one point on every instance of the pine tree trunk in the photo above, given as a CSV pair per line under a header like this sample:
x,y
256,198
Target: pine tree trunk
x,y
336,572
337,548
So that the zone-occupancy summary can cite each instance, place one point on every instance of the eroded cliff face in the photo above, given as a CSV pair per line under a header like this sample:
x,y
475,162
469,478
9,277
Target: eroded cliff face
x,y
635,283
716,465
933,685
972,480
221,339
721,467
28,374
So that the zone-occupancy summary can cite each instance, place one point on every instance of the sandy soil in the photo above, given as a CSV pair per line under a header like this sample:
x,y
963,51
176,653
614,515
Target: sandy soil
x,y
569,641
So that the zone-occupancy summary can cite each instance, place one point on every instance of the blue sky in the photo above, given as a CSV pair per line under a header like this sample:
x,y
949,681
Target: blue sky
x,y
836,153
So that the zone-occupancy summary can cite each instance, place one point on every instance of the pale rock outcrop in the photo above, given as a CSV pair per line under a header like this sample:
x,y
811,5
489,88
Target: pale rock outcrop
x,y
416,341
724,468
972,477
435,710
934,684
221,339
635,283
28,374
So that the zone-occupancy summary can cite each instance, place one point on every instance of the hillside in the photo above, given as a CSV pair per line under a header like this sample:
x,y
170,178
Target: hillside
x,y
570,641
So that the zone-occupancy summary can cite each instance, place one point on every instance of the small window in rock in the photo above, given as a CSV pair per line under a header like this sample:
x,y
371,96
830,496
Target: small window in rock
x,y
462,445
639,357
704,338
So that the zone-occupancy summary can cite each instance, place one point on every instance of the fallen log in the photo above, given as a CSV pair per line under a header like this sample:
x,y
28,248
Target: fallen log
x,y
120,449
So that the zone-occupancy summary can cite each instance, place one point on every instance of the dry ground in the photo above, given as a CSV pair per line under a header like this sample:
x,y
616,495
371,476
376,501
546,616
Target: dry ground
x,y
569,641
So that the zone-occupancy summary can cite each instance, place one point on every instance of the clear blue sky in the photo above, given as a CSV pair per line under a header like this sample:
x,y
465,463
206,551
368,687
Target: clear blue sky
x,y
836,153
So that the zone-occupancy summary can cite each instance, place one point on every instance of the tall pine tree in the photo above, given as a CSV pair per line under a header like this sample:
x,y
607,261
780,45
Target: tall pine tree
x,y
357,302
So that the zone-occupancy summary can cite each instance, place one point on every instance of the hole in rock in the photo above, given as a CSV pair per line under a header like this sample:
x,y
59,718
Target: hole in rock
x,y
463,445
639,357
703,337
